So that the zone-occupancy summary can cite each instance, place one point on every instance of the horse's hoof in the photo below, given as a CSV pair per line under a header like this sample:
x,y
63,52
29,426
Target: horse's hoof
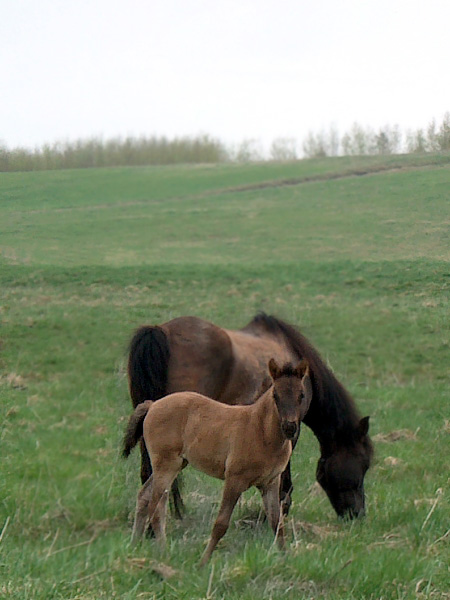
x,y
149,533
178,514
286,505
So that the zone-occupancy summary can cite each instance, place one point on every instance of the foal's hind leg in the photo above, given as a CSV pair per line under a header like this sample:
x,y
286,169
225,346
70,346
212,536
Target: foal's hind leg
x,y
270,496
146,472
141,511
164,474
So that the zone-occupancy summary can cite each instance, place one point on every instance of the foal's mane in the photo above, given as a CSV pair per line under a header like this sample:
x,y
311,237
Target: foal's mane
x,y
288,370
332,414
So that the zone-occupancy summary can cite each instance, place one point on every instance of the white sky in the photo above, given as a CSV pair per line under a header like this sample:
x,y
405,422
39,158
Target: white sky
x,y
235,69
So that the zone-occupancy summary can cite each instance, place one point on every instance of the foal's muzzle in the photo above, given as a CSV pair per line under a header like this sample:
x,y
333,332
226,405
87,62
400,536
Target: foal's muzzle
x,y
289,429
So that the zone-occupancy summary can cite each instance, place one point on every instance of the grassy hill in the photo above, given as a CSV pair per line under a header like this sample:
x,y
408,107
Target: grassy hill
x,y
354,251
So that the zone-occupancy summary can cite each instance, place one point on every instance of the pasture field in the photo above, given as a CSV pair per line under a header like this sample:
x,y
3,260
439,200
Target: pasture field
x,y
359,263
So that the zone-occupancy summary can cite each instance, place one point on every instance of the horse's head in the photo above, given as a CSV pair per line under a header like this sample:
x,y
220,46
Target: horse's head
x,y
292,393
341,472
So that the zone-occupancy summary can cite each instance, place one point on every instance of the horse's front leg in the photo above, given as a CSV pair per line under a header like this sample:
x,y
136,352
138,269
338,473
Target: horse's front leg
x,y
231,494
285,489
270,496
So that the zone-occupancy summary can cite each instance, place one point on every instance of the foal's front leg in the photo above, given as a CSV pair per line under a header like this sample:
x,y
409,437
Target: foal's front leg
x,y
270,496
231,494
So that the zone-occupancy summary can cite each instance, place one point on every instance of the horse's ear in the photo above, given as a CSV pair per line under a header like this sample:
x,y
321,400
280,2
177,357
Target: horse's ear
x,y
363,426
274,369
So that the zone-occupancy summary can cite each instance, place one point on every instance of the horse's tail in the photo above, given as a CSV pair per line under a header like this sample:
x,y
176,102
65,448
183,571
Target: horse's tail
x,y
148,361
134,430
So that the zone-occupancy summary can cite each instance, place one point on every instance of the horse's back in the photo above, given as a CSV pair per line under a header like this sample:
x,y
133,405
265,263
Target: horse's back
x,y
201,356
226,365
250,375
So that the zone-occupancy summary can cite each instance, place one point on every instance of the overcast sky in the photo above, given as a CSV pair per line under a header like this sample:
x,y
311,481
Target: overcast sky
x,y
235,69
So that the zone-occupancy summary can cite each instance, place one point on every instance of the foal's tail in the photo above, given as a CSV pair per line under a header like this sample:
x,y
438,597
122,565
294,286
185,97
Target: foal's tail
x,y
148,361
135,427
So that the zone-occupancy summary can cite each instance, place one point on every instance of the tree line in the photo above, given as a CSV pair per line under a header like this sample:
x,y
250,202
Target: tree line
x,y
359,141
132,151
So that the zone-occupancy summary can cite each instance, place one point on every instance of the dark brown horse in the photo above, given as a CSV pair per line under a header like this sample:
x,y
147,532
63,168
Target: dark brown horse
x,y
243,445
230,366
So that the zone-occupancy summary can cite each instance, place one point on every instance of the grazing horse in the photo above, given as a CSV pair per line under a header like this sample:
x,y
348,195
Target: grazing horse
x,y
243,445
188,353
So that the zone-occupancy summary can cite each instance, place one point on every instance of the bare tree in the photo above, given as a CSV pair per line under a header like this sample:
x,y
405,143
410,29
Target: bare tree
x,y
283,149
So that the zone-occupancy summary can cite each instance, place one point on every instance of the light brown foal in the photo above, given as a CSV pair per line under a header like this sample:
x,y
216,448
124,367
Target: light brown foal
x,y
243,445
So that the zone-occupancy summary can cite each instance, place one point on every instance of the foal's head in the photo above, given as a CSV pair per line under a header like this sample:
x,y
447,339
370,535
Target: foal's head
x,y
292,393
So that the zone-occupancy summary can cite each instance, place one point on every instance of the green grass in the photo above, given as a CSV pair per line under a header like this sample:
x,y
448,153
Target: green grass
x,y
361,264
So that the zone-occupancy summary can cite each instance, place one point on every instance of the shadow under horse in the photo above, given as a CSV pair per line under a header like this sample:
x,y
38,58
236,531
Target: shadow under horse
x,y
230,366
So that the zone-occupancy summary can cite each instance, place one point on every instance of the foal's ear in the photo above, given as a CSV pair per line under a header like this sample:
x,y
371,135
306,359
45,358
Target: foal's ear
x,y
306,381
274,369
302,369
363,426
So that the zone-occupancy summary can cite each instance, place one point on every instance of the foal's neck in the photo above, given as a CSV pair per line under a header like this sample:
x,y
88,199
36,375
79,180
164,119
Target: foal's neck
x,y
267,415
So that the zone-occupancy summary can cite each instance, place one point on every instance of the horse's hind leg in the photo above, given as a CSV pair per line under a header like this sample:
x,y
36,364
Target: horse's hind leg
x,y
270,496
178,504
231,494
141,511
146,465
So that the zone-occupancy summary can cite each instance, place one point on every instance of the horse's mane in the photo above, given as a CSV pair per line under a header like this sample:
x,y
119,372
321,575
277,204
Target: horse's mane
x,y
332,413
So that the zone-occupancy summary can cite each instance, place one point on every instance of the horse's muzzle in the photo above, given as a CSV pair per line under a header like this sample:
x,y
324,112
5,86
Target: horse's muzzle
x,y
351,513
354,507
